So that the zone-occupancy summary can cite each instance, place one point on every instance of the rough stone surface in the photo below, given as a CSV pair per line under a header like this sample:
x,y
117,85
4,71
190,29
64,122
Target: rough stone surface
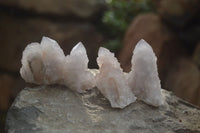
x,y
183,79
80,8
57,109
27,30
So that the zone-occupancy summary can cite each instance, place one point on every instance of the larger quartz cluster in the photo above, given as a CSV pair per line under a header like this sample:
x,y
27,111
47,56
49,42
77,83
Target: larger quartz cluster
x,y
143,78
45,63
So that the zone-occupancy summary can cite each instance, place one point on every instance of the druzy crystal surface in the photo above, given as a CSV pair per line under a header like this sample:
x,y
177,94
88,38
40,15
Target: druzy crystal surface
x,y
111,80
45,63
143,78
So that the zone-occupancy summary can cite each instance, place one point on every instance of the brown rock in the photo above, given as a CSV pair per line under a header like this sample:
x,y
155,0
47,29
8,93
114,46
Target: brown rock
x,y
198,97
150,28
183,79
17,32
178,12
5,91
145,26
80,8
18,82
196,55
183,17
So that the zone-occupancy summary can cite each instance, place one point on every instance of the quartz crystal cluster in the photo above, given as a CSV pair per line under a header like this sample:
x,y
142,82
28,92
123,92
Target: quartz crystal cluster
x,y
111,80
45,63
143,77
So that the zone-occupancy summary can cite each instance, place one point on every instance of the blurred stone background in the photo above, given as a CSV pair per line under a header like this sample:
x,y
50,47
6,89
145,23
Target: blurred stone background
x,y
171,27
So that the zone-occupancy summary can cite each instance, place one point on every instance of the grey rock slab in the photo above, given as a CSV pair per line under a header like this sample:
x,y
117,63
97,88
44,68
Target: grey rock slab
x,y
57,109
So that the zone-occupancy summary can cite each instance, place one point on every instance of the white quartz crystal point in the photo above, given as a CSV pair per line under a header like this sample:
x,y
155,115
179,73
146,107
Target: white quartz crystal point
x,y
78,77
143,78
111,80
41,62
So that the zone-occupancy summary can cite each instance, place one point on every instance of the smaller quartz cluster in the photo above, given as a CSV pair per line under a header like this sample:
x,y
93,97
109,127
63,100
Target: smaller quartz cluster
x,y
111,80
45,63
